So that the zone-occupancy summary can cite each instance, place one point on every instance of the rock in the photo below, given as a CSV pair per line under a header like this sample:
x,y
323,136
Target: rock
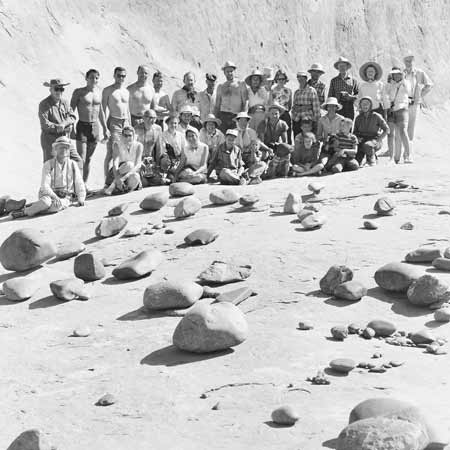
x,y
236,296
220,272
110,226
377,355
370,225
424,336
319,378
172,294
81,331
292,204
155,201
442,264
382,433
305,325
396,363
304,213
225,196
343,365
384,207
350,290
354,328
118,210
316,187
444,212
285,415
19,289
201,236
407,226
26,249
396,277
138,266
69,289
248,200
210,328
335,276
106,400
88,267
426,290
382,328
314,207
3,201
69,249
30,440
442,314
368,333
187,207
314,221
181,189
339,333
132,232
423,254
209,292
159,226
169,231
447,253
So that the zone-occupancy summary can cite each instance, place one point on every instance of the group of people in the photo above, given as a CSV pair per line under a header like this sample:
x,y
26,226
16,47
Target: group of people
x,y
241,131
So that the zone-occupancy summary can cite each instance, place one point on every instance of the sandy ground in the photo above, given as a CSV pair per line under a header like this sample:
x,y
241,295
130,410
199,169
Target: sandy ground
x,y
51,381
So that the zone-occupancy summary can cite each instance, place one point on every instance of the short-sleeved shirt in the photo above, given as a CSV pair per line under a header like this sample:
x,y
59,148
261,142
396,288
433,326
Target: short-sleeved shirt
x,y
196,157
282,95
368,125
319,86
225,158
269,133
327,126
302,155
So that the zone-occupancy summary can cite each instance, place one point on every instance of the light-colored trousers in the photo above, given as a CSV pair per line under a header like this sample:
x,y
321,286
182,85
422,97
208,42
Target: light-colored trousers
x,y
46,205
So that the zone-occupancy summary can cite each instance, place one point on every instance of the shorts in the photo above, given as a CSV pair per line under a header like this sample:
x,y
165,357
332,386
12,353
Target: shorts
x,y
87,132
401,117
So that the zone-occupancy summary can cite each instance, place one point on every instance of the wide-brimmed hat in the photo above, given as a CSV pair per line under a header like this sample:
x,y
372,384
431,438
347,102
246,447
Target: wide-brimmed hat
x,y
232,131
408,54
186,109
254,73
395,70
212,118
62,141
229,64
55,82
302,73
341,59
331,101
316,67
366,97
268,73
362,70
276,105
242,115
191,129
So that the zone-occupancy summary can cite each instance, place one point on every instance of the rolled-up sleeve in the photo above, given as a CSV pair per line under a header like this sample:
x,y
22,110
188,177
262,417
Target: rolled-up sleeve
x,y
46,124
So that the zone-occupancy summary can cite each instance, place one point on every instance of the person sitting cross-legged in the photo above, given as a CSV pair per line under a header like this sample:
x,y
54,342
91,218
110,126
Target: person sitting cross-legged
x,y
306,156
254,166
62,183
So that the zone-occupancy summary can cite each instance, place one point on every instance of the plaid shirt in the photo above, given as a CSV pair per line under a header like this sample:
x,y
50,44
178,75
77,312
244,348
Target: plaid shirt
x,y
306,104
346,84
319,86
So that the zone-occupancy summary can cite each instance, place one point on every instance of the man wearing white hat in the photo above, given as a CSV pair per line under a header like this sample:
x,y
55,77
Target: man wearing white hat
x,y
344,87
316,71
420,85
231,97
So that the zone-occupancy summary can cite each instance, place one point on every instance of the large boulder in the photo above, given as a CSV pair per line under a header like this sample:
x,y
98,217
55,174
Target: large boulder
x,y
110,226
210,328
350,290
181,189
30,440
202,236
423,255
381,433
172,294
187,207
396,276
69,289
292,204
155,201
138,266
426,290
88,267
69,249
225,196
220,272
19,289
442,263
335,276
26,249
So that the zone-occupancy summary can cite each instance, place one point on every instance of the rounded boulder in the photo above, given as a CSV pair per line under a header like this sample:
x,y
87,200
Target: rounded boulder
x,y
396,276
88,267
382,328
285,415
384,207
187,207
181,189
19,289
172,294
69,289
350,290
225,196
342,365
110,226
335,276
426,290
442,264
202,236
423,255
138,266
314,221
155,201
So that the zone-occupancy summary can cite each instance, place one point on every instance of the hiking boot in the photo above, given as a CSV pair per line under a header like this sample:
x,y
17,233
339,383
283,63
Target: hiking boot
x,y
14,205
17,214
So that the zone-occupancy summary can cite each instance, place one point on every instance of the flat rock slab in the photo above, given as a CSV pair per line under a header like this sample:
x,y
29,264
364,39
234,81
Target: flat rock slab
x,y
202,236
220,272
138,266
69,289
423,255
69,249
236,296
19,289
172,294
110,226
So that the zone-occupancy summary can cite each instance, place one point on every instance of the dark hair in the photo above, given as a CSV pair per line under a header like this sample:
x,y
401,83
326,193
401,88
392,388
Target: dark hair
x,y
128,128
119,69
157,74
170,118
92,71
373,67
280,73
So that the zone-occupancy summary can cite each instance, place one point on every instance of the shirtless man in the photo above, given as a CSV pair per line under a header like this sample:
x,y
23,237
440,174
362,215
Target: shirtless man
x,y
115,99
141,94
161,100
88,102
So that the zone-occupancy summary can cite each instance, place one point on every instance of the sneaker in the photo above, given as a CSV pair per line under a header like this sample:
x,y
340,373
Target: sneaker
x,y
17,214
255,180
14,205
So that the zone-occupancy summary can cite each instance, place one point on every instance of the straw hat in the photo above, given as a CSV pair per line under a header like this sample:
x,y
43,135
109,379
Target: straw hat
x,y
229,64
341,59
362,70
212,118
368,98
331,101
232,132
254,73
55,82
316,67
302,73
242,115
185,109
62,141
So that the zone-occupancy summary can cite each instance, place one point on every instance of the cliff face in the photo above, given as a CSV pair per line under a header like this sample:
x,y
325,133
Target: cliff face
x,y
41,39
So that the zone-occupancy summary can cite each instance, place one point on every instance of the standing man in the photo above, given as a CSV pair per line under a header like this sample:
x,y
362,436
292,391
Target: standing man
x,y
231,98
420,85
316,71
115,100
88,102
56,118
344,87
161,101
141,95
187,95
207,98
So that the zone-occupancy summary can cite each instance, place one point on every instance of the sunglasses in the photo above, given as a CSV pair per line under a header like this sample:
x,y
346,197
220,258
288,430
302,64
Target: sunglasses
x,y
127,135
59,89
121,76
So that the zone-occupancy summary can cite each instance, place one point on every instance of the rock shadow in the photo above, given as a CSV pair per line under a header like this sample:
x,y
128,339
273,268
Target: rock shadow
x,y
142,314
331,443
5,302
372,216
171,356
112,281
272,424
46,302
335,373
434,324
92,240
339,302
11,275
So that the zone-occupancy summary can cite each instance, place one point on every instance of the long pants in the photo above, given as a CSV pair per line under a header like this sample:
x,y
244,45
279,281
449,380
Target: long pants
x,y
46,205
367,148
412,116
227,120
401,139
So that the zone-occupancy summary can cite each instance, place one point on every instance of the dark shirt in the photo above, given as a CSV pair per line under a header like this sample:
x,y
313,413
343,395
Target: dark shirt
x,y
370,125
224,158
303,155
269,133
346,84
52,113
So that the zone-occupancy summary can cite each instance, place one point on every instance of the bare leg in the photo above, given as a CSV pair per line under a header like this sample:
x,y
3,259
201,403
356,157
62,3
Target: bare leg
x,y
313,171
90,149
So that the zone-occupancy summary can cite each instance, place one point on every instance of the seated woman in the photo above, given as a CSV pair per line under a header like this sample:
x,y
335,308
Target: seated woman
x,y
194,159
306,156
173,142
210,133
127,161
62,183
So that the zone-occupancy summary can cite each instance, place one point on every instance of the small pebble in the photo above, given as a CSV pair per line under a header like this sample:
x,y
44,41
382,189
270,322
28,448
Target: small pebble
x,y
304,325
106,400
319,378
396,363
354,328
339,333
203,396
370,225
81,331
377,355
285,415
159,226
368,333
379,369
169,231
407,226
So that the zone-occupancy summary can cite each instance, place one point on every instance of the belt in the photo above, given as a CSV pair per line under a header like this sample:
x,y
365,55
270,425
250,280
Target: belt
x,y
88,123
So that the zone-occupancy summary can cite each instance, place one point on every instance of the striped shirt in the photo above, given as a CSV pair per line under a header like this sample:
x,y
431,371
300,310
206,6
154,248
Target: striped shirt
x,y
347,141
